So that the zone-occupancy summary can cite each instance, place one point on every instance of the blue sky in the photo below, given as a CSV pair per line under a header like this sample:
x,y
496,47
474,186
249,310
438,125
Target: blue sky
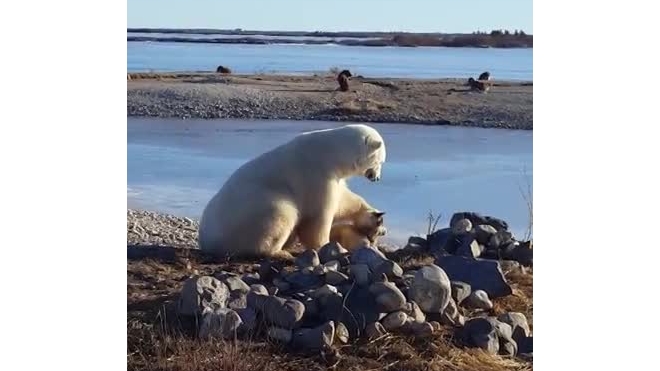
x,y
322,15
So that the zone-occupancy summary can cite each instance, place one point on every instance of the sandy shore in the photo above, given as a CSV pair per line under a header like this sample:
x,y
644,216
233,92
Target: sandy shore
x,y
418,101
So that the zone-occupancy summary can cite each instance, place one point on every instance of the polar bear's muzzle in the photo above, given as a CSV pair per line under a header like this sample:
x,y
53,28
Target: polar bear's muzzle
x,y
372,175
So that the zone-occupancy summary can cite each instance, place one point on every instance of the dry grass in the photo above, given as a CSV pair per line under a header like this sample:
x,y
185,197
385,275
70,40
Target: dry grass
x,y
157,340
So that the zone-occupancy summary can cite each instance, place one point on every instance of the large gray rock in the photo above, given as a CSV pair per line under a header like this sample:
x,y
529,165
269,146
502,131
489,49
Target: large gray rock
x,y
235,283
389,268
418,329
451,316
430,289
477,219
480,274
280,334
220,323
478,299
499,239
237,299
518,323
341,333
394,320
335,278
482,333
301,281
309,258
460,291
199,293
367,255
360,273
441,242
388,297
331,251
461,227
414,312
317,338
523,254
259,289
483,232
468,247
284,313
248,319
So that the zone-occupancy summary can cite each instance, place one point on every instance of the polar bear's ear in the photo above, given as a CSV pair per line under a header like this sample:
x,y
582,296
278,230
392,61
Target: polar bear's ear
x,y
372,144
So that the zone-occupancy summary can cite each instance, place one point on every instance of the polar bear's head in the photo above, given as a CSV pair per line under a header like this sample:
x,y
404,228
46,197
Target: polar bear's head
x,y
370,161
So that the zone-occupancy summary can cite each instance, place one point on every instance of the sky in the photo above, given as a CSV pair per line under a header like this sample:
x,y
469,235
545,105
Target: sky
x,y
450,16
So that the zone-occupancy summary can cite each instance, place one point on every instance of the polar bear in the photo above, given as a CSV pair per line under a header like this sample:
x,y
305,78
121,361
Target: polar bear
x,y
295,190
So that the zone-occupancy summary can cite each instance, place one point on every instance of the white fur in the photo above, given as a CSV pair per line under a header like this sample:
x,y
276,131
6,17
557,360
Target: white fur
x,y
299,186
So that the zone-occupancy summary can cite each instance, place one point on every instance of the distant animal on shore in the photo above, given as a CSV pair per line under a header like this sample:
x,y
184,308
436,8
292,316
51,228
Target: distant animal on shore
x,y
478,85
223,69
342,79
484,76
364,230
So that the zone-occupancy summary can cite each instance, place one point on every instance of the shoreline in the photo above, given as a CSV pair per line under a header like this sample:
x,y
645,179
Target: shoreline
x,y
204,95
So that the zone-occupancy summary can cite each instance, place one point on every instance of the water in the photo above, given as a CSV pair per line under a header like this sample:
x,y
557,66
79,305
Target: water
x,y
176,166
420,62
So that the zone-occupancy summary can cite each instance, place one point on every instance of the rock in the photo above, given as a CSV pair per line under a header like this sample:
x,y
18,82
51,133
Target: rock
x,y
317,338
389,268
309,258
499,239
506,250
360,309
509,265
418,241
468,247
523,254
280,334
335,278
331,251
251,278
220,323
268,270
478,300
285,313
394,320
388,297
341,333
481,333
525,345
273,290
332,265
504,333
460,291
360,273
462,226
281,284
311,307
480,274
237,300
234,283
451,316
368,256
483,232
375,330
528,357
259,289
441,242
431,289
477,219
302,281
420,329
199,293
323,291
518,323
414,312
319,270
248,318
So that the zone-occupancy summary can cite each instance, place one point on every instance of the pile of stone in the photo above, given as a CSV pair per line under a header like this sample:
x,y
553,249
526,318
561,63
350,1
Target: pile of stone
x,y
333,296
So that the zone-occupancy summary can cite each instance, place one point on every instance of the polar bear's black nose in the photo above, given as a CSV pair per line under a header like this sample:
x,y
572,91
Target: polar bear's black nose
x,y
371,175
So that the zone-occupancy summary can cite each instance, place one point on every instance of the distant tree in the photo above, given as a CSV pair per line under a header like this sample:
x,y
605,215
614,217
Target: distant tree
x,y
496,33
506,32
522,33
